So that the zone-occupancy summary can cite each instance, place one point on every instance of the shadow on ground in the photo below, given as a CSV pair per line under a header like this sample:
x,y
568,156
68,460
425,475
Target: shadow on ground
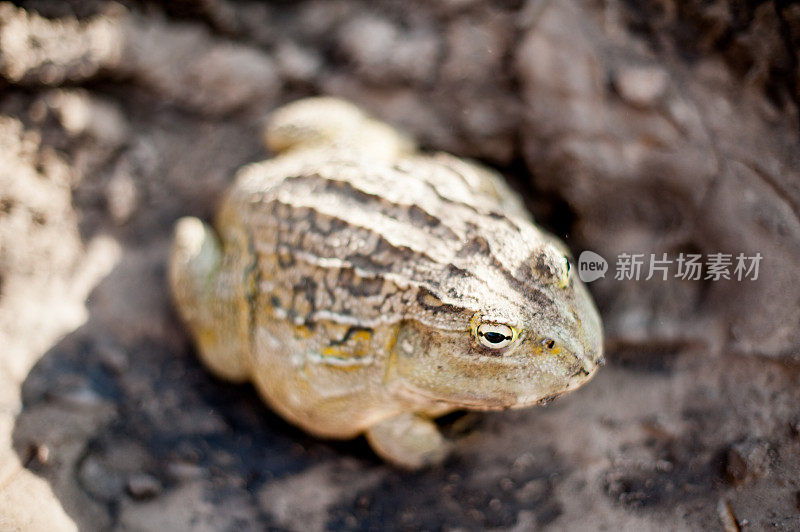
x,y
132,432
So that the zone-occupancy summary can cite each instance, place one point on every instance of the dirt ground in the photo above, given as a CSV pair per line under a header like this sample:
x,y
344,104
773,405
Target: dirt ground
x,y
630,127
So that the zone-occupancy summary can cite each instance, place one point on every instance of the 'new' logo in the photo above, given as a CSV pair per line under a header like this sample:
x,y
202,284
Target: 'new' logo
x,y
591,266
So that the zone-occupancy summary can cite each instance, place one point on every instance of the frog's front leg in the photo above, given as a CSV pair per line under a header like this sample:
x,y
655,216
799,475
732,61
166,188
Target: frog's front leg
x,y
204,289
409,440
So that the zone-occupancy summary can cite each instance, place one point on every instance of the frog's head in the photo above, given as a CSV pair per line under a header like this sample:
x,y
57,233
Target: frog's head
x,y
500,337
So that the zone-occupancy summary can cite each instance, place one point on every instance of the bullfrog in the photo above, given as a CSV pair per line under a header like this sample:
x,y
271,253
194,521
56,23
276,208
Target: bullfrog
x,y
366,287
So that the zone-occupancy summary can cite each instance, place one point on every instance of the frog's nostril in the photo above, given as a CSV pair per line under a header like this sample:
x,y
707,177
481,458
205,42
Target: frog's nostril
x,y
581,372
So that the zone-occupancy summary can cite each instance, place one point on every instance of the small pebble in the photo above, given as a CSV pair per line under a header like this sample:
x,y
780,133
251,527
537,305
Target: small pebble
x,y
100,481
122,196
143,486
641,85
114,358
182,471
727,517
532,491
79,397
747,460
38,454
296,63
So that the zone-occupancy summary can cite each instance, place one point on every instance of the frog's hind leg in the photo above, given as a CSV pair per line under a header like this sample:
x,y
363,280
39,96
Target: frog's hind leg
x,y
408,440
336,125
205,294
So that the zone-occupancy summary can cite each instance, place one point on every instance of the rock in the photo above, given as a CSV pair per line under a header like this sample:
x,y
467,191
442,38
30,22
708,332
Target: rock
x,y
188,507
747,461
80,113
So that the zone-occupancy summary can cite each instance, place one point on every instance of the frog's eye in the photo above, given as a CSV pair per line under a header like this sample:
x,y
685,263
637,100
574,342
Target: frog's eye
x,y
495,335
566,273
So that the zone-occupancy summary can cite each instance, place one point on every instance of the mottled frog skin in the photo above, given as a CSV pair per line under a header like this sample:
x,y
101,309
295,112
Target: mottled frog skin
x,y
365,287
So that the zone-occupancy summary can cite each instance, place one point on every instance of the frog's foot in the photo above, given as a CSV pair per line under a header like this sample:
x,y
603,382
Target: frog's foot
x,y
408,440
325,122
195,263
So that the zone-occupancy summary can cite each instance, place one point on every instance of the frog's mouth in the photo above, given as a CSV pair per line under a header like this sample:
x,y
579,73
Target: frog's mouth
x,y
503,402
496,401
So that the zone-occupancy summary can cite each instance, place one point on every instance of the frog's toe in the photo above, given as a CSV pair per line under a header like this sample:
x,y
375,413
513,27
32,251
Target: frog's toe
x,y
194,258
202,300
408,440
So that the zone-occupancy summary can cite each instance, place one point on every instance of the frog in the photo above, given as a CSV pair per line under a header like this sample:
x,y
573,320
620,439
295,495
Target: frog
x,y
367,287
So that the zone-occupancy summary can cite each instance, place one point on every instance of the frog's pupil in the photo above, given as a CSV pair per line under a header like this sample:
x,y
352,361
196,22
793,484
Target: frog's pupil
x,y
494,337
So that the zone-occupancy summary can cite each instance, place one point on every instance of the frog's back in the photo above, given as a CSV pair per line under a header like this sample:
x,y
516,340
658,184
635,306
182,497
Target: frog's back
x,y
355,241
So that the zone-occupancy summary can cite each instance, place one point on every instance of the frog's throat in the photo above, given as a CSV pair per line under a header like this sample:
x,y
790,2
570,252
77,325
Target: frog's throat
x,y
409,392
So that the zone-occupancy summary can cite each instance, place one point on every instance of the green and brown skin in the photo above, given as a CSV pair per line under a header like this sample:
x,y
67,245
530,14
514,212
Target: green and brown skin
x,y
351,277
